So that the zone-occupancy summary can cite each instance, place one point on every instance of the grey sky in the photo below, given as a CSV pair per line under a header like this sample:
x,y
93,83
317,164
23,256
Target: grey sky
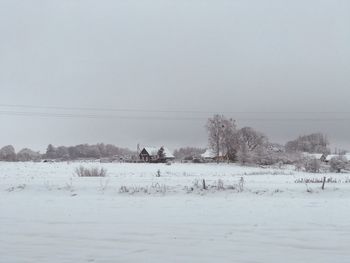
x,y
276,58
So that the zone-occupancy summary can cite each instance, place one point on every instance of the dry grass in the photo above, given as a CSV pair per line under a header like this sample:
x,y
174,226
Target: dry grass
x,y
91,172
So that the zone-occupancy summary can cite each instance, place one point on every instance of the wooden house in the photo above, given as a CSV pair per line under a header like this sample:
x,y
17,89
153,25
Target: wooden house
x,y
151,154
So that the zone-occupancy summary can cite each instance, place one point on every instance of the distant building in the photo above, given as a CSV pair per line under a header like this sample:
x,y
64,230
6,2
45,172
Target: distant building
x,y
347,156
330,156
150,154
318,156
209,155
275,147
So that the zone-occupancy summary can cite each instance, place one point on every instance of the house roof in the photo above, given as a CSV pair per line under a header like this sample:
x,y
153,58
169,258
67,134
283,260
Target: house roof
x,y
209,154
317,156
330,156
153,151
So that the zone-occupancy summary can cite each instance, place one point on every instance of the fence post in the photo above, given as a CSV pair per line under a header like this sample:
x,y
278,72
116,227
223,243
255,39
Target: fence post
x,y
324,181
204,186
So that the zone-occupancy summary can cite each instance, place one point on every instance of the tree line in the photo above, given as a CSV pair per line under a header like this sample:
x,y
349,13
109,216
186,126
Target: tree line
x,y
226,140
64,153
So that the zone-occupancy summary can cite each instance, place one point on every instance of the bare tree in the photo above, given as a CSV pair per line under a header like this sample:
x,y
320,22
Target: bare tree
x,y
221,135
338,163
312,143
262,156
62,153
8,154
26,155
251,138
51,152
243,155
230,142
312,165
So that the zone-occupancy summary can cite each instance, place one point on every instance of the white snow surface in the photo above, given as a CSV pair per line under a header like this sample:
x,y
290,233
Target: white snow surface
x,y
47,214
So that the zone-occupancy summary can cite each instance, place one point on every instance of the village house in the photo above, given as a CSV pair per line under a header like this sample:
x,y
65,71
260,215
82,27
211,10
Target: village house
x,y
209,155
318,156
151,154
330,156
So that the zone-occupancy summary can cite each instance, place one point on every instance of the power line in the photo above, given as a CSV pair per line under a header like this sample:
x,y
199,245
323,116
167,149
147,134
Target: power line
x,y
92,116
160,118
98,109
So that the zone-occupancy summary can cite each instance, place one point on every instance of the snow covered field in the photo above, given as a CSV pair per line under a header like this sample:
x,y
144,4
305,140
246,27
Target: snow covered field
x,y
47,214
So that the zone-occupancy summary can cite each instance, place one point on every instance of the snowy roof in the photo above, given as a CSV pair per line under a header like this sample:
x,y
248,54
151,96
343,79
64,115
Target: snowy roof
x,y
330,156
209,154
154,151
317,156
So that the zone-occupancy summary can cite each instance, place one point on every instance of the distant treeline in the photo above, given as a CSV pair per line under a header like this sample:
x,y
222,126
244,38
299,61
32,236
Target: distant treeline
x,y
81,151
226,142
312,143
9,154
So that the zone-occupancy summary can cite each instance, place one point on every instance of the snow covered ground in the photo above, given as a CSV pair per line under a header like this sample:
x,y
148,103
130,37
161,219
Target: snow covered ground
x,y
47,214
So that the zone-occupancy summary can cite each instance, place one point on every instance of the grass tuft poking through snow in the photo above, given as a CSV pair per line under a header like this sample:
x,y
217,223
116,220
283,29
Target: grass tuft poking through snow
x,y
81,171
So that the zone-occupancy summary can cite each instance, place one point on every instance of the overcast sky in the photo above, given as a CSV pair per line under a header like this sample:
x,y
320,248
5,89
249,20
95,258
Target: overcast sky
x,y
282,67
